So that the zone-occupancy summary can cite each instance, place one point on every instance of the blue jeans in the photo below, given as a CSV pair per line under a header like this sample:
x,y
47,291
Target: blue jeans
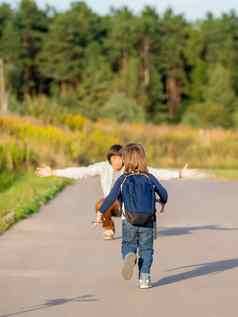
x,y
138,238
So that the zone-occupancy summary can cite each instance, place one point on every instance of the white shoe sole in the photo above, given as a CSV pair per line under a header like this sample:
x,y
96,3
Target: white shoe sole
x,y
128,266
145,287
108,237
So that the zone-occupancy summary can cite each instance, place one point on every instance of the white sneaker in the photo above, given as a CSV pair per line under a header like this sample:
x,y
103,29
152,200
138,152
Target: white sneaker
x,y
145,281
108,235
128,266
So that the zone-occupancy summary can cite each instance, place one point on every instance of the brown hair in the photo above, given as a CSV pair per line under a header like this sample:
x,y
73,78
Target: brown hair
x,y
134,158
115,149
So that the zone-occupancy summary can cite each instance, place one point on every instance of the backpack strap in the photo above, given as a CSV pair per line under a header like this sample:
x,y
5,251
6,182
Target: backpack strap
x,y
134,174
125,180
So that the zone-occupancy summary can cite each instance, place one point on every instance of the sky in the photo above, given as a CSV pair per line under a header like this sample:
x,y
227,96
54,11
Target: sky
x,y
193,9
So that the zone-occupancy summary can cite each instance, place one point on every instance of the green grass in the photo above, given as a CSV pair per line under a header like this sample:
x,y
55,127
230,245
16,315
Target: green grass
x,y
7,179
225,174
23,195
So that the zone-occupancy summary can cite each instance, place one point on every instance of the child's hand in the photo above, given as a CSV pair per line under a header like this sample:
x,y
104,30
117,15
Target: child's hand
x,y
162,208
44,171
162,205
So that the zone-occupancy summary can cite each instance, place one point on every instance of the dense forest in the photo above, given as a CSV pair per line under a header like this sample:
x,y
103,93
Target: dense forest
x,y
146,67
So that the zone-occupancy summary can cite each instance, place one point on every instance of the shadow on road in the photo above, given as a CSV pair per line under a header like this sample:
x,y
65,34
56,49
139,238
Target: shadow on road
x,y
199,270
176,231
53,302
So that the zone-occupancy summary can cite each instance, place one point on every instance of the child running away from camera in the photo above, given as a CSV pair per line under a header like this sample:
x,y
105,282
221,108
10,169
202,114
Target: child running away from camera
x,y
136,190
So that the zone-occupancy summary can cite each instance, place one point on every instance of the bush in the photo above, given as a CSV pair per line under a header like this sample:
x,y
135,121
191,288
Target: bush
x,y
14,155
27,142
122,108
235,119
7,179
207,114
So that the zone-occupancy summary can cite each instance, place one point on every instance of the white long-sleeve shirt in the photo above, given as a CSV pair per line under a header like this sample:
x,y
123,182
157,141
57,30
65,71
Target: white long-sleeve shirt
x,y
106,173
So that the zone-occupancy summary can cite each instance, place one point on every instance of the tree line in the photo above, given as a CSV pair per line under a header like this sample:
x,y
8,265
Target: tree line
x,y
148,66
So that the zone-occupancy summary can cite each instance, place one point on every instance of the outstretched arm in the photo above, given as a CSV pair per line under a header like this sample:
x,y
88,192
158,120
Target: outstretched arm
x,y
72,172
165,174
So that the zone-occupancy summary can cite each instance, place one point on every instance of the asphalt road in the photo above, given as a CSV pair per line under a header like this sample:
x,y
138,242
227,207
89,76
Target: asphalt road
x,y
56,264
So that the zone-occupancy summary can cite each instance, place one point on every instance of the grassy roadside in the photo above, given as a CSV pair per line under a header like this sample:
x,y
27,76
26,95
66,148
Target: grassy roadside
x,y
24,194
224,174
